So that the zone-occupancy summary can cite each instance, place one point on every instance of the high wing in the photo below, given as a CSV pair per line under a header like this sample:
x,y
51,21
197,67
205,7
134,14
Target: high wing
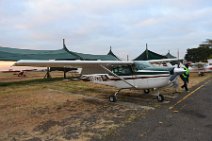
x,y
164,60
88,67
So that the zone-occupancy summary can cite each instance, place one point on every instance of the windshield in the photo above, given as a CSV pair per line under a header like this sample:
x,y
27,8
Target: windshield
x,y
142,65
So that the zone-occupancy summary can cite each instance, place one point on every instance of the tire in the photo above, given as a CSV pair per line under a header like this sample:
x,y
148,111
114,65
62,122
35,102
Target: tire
x,y
160,98
112,98
146,91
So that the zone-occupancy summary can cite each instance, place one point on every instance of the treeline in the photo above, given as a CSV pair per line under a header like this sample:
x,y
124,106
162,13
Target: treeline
x,y
201,53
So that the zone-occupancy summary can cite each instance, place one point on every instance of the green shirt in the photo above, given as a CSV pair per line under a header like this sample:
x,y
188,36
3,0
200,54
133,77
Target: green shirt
x,y
186,74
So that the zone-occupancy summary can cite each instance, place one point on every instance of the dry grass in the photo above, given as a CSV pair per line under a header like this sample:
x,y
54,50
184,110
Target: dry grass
x,y
60,110
66,110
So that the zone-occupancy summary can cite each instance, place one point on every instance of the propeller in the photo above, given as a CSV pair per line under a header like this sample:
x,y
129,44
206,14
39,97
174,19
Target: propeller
x,y
178,61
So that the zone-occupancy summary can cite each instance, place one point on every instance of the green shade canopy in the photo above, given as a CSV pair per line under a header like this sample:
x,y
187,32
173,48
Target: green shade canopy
x,y
149,55
83,56
169,55
14,54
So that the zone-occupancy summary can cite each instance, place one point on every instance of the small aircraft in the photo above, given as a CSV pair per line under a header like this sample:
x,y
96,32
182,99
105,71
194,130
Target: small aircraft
x,y
208,67
197,68
200,68
119,74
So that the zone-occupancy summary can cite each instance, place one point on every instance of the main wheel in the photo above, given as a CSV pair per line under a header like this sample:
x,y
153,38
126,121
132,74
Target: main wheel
x,y
112,98
160,98
146,91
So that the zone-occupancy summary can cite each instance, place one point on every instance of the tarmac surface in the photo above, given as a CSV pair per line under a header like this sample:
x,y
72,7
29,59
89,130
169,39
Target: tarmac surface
x,y
188,118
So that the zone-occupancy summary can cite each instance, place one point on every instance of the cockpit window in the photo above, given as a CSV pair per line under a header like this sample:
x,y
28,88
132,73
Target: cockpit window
x,y
142,65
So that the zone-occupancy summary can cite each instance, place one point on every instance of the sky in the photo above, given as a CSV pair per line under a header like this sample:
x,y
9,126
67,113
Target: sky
x,y
92,26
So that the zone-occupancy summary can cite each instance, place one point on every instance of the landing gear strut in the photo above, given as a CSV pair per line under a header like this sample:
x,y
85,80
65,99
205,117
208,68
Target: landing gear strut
x,y
113,98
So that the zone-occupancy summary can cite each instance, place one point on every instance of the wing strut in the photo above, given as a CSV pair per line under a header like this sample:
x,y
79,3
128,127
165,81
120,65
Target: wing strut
x,y
106,69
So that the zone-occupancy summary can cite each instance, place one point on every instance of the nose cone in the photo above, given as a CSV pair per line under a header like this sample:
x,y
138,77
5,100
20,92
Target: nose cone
x,y
179,70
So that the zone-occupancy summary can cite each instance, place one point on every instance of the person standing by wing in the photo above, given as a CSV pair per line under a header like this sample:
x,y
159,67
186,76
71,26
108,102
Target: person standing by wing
x,y
185,77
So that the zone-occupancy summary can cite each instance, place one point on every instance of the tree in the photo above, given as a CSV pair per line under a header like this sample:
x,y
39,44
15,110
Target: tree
x,y
201,53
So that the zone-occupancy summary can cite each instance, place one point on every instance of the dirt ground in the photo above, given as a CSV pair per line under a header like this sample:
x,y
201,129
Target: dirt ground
x,y
61,110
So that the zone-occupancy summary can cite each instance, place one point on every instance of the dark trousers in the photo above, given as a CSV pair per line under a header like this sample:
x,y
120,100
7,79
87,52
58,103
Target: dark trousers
x,y
185,85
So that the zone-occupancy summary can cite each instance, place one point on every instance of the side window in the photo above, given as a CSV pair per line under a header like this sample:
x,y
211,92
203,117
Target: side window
x,y
122,70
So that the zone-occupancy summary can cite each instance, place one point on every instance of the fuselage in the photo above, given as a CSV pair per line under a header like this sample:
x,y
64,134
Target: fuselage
x,y
138,81
139,75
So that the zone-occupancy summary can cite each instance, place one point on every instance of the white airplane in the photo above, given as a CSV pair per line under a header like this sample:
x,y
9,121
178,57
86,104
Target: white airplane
x,y
119,74
208,67
201,68
197,68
